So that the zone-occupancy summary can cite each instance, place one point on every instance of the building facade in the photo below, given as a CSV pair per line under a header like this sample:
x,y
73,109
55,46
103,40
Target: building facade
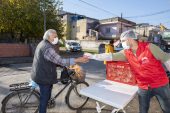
x,y
146,30
77,27
112,28
80,27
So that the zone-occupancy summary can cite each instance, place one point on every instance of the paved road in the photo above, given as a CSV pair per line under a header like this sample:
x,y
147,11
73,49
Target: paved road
x,y
16,73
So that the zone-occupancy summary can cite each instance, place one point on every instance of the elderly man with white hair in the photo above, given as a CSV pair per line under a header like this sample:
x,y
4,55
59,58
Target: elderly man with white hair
x,y
145,60
44,66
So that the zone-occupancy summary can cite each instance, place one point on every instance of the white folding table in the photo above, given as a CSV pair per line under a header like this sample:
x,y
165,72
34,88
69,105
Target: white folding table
x,y
111,93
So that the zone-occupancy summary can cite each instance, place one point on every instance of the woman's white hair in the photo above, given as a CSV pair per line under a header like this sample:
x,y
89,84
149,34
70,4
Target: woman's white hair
x,y
48,33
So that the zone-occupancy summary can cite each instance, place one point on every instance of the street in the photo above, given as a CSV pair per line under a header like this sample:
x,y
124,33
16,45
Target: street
x,y
95,71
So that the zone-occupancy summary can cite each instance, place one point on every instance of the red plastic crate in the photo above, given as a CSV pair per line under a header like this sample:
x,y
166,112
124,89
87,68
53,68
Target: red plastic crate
x,y
120,72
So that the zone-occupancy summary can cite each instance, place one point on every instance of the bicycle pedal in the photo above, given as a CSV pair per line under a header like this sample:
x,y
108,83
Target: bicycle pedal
x,y
51,104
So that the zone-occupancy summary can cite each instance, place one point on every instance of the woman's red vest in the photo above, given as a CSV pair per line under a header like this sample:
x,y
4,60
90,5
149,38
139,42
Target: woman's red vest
x,y
148,71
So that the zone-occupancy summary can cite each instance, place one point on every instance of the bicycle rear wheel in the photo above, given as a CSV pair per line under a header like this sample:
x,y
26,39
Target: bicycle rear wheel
x,y
24,101
74,99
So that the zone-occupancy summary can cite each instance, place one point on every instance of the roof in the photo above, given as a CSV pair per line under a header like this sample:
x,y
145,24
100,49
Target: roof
x,y
108,20
143,24
117,19
62,13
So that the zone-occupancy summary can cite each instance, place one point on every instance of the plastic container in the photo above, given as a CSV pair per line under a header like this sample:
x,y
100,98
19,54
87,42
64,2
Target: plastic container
x,y
120,72
33,84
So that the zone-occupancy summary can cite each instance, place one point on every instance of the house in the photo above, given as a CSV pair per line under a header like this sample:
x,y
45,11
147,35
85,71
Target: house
x,y
112,28
77,27
83,29
80,27
146,30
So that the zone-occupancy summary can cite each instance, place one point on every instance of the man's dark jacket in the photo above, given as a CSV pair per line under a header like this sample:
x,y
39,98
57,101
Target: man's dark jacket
x,y
43,71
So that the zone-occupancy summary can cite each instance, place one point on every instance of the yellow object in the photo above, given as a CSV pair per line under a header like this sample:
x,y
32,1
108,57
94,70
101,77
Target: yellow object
x,y
109,49
80,73
162,27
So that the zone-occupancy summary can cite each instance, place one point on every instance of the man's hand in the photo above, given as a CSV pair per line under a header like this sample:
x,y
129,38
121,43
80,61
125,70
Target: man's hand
x,y
81,60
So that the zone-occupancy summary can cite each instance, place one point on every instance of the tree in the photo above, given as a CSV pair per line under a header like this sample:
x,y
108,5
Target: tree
x,y
52,19
23,19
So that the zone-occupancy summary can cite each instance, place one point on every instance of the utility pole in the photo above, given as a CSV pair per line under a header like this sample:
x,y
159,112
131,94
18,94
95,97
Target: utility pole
x,y
44,13
121,30
59,7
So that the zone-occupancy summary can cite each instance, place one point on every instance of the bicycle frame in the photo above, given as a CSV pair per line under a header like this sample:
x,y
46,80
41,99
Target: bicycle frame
x,y
70,82
26,99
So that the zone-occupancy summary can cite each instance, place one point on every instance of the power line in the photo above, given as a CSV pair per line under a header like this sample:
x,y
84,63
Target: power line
x,y
98,8
166,22
80,6
133,17
158,20
77,5
147,15
85,8
138,16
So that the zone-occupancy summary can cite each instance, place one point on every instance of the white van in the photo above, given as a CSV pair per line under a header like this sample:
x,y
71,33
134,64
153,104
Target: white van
x,y
73,46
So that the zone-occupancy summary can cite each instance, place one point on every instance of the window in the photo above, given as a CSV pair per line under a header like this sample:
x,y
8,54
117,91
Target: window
x,y
108,30
78,28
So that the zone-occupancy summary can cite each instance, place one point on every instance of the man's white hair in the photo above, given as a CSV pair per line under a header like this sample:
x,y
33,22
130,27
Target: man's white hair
x,y
48,33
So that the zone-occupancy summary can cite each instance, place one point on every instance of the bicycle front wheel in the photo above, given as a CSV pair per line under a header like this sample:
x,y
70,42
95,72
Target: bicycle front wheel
x,y
24,101
74,99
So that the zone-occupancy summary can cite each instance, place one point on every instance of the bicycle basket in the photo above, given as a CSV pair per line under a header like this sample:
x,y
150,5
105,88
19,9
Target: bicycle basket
x,y
64,76
80,74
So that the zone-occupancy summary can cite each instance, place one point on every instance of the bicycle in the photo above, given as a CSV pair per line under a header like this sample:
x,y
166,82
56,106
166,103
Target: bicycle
x,y
24,98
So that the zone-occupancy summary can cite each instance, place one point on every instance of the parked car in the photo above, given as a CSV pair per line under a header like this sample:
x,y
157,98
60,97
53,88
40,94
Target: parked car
x,y
101,48
73,46
165,43
118,47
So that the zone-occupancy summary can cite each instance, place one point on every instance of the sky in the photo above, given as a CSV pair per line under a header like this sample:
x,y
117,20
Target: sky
x,y
154,11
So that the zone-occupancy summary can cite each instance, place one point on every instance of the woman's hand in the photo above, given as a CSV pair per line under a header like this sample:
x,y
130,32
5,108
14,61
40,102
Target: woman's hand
x,y
81,60
88,55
